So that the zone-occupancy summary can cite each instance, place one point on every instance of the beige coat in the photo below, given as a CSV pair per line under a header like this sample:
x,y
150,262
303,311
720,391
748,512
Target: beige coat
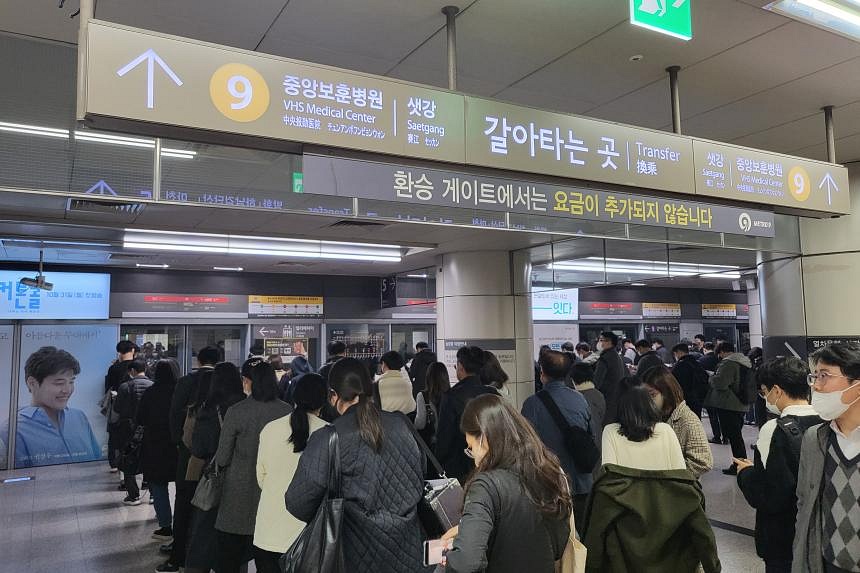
x,y
395,392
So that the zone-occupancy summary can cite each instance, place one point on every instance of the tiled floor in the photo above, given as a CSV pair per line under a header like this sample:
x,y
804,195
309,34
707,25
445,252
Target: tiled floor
x,y
70,520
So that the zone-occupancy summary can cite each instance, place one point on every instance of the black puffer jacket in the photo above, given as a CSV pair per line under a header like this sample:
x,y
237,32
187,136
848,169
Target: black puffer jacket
x,y
381,531
158,458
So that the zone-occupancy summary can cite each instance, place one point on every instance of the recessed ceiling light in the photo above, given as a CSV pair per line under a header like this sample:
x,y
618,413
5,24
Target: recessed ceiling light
x,y
149,266
637,284
637,58
228,269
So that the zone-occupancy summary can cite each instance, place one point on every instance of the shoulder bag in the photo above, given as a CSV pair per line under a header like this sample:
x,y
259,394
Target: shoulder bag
x,y
128,460
575,553
578,442
441,506
319,547
208,493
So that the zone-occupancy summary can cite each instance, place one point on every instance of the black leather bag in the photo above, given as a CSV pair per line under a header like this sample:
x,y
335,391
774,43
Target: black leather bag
x,y
319,548
579,443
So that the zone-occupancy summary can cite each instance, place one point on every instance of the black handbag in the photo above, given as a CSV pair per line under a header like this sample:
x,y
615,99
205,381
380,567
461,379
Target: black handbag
x,y
441,506
207,495
128,461
319,547
579,443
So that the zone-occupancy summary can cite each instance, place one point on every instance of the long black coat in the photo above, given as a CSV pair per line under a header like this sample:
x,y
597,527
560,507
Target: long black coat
x,y
381,530
158,456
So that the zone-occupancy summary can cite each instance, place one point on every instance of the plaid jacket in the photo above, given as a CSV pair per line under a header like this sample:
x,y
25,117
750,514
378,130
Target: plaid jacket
x,y
694,442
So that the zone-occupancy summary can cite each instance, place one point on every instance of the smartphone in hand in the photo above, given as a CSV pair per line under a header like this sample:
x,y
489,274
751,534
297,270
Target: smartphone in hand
x,y
434,550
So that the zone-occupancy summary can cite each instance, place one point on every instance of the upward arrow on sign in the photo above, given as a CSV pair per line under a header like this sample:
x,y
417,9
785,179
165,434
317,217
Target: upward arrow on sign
x,y
151,58
831,186
101,188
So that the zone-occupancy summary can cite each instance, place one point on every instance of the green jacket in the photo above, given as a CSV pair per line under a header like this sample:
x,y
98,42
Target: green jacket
x,y
725,384
646,521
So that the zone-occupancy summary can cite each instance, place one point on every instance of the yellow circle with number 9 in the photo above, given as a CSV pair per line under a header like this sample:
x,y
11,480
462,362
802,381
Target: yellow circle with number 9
x,y
798,184
239,92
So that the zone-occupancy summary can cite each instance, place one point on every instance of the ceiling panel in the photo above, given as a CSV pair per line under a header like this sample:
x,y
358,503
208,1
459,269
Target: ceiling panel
x,y
227,22
39,19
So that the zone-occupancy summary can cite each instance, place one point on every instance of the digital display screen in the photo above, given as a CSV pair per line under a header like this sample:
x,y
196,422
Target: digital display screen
x,y
74,296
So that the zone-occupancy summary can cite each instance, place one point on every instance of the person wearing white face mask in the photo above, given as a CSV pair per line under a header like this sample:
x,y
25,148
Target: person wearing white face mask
x,y
827,538
769,483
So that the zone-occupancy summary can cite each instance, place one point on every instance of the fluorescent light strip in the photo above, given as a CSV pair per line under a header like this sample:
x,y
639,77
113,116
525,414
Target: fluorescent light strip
x,y
228,269
34,130
74,243
181,248
416,276
153,266
833,10
176,155
697,265
734,276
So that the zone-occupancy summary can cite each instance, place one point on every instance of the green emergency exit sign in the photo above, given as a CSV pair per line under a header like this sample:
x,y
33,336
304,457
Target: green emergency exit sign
x,y
671,17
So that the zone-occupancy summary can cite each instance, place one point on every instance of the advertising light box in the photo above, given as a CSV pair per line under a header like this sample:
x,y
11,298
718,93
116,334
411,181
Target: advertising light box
x,y
555,304
74,296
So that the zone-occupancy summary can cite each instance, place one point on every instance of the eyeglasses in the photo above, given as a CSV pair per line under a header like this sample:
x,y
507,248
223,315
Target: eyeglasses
x,y
824,378
468,451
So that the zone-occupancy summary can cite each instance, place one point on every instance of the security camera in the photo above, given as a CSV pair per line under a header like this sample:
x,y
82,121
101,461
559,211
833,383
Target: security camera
x,y
38,282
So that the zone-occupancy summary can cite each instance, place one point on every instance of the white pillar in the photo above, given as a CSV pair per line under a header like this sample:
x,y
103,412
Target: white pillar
x,y
483,299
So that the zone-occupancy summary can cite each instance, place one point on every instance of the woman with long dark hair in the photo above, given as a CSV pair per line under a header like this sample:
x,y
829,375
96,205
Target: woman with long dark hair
x,y
237,454
381,477
281,445
518,503
428,400
492,374
223,390
158,455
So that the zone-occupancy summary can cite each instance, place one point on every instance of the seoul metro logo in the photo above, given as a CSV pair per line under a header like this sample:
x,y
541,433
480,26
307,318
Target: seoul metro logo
x,y
745,222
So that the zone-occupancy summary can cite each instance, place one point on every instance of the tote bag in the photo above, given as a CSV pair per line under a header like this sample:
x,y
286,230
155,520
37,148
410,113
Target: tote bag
x,y
319,548
575,553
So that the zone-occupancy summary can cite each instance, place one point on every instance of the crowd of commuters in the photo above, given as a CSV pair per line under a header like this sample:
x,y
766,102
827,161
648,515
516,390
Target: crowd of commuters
x,y
609,448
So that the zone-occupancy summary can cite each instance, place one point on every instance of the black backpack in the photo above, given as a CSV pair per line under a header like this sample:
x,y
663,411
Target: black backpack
x,y
747,390
579,443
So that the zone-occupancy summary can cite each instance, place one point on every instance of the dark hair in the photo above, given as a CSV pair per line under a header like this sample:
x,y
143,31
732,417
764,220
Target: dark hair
x,y
421,345
584,346
335,348
276,361
581,373
225,384
708,346
844,355
611,336
789,373
138,365
643,344
544,348
555,364
248,366
726,347
648,362
471,358
310,394
637,412
756,356
436,382
700,337
208,356
166,371
514,445
568,347
683,348
49,361
350,379
492,373
658,341
392,360
264,383
665,382
204,386
125,346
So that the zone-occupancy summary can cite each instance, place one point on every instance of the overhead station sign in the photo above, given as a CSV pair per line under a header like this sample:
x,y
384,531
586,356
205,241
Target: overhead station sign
x,y
144,76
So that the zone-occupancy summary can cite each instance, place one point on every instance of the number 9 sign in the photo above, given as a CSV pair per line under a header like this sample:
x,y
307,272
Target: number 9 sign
x,y
798,184
239,92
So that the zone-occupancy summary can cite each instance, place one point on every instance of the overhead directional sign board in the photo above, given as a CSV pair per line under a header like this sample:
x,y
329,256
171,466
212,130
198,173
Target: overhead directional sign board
x,y
670,17
153,78
141,75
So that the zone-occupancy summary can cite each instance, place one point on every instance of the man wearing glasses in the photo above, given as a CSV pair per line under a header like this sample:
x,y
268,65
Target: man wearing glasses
x,y
827,535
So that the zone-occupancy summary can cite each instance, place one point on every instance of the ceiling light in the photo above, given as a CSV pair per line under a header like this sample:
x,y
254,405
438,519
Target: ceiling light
x,y
638,284
48,242
148,266
416,276
227,269
839,16
734,276
264,246
34,130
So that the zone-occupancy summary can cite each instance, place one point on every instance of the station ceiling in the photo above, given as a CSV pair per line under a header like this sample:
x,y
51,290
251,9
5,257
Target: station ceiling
x,y
749,76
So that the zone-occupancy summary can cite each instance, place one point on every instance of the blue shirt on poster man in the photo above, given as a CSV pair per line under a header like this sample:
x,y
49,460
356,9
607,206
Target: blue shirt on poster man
x,y
38,442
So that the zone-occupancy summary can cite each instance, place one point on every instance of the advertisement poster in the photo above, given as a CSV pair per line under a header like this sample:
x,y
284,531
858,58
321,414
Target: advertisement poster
x,y
554,335
286,348
505,350
74,296
58,416
5,388
555,304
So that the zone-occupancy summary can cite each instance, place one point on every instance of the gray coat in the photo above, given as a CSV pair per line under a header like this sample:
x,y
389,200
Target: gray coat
x,y
808,536
608,373
237,451
725,383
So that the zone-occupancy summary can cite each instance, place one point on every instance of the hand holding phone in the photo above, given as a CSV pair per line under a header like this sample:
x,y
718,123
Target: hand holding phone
x,y
434,551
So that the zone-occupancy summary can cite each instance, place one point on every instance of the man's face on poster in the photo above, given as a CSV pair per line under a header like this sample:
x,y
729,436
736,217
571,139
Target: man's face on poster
x,y
55,390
